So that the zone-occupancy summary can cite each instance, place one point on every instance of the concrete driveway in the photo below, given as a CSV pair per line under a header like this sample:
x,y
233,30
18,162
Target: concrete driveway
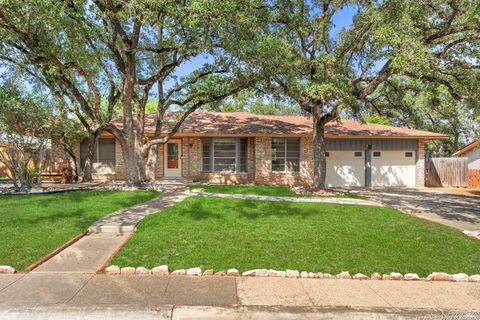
x,y
461,211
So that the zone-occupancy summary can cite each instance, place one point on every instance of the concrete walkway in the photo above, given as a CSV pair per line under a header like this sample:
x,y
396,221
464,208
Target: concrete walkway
x,y
107,236
82,296
290,199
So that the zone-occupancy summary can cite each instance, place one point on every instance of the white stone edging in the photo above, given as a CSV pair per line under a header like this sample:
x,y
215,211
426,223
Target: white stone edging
x,y
7,269
165,271
472,234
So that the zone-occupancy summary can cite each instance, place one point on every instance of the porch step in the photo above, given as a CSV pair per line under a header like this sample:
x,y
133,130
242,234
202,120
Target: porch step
x,y
172,181
112,229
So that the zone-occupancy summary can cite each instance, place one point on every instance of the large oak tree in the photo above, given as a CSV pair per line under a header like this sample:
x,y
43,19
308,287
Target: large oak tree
x,y
105,54
325,70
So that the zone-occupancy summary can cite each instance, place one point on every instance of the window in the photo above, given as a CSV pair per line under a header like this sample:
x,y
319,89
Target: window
x,y
224,155
358,153
409,154
377,153
104,153
327,154
285,155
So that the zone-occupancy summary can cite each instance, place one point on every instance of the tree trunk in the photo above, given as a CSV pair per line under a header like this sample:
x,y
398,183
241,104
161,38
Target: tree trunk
x,y
89,157
153,151
134,160
152,163
319,159
72,159
41,157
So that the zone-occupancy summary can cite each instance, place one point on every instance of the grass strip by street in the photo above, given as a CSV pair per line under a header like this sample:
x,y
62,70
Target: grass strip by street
x,y
33,226
261,190
214,233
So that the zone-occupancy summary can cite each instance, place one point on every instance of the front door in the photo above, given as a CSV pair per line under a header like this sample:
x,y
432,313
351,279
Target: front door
x,y
172,159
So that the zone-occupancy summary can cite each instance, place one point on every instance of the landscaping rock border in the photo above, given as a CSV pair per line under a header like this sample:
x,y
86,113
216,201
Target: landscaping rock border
x,y
195,272
7,269
472,234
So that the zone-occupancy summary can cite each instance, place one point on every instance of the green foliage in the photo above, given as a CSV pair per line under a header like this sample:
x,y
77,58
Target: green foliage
x,y
250,101
377,119
26,123
424,106
432,45
33,226
214,233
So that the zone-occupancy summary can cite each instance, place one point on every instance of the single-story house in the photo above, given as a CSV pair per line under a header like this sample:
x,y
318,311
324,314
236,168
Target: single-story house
x,y
472,152
239,147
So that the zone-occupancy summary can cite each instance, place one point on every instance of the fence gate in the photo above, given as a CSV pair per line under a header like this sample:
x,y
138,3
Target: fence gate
x,y
446,172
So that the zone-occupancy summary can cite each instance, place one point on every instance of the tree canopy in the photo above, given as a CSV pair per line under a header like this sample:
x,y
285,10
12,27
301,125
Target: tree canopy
x,y
435,43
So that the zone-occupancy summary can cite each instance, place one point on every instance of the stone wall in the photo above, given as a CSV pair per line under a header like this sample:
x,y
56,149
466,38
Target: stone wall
x,y
420,165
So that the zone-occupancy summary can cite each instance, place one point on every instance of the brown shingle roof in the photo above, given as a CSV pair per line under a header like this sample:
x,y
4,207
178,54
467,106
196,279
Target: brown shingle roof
x,y
243,123
467,148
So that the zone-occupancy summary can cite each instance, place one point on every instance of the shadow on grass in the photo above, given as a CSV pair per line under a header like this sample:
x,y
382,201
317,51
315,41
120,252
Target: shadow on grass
x,y
215,208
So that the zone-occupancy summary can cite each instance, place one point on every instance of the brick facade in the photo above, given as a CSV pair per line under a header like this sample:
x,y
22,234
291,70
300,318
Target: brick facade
x,y
420,165
259,164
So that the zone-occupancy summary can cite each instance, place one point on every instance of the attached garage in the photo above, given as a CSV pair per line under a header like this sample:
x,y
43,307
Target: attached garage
x,y
393,168
345,169
371,162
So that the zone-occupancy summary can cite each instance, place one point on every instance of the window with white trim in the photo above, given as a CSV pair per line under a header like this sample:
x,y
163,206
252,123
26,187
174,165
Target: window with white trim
x,y
285,154
224,154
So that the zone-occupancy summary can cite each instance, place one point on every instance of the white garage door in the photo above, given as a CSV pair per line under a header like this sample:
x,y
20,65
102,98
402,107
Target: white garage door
x,y
393,168
345,169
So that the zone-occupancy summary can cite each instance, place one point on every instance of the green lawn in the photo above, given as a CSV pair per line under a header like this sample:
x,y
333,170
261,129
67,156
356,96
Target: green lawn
x,y
228,233
278,191
33,226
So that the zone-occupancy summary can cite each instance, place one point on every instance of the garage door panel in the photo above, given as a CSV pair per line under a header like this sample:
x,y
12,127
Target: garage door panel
x,y
343,169
393,168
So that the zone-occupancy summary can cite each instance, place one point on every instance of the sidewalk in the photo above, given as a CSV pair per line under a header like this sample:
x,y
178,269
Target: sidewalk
x,y
82,296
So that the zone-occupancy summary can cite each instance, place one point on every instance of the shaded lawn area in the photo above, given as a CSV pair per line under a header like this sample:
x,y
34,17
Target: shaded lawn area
x,y
276,191
214,233
33,226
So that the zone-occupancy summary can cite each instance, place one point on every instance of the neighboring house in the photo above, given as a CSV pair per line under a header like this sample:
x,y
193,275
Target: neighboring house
x,y
241,147
472,152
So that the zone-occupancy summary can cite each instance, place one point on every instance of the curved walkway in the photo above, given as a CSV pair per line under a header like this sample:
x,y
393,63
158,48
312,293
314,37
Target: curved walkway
x,y
359,202
107,236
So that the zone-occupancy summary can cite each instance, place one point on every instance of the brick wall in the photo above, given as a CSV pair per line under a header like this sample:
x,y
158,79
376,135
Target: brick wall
x,y
263,162
160,162
420,165
196,173
119,164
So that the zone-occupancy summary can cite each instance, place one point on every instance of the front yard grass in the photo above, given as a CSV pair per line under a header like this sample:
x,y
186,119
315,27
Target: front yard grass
x,y
33,226
214,233
261,190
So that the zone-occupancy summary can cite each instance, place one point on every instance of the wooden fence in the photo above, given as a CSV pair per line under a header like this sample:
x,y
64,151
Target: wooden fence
x,y
474,178
51,166
446,172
